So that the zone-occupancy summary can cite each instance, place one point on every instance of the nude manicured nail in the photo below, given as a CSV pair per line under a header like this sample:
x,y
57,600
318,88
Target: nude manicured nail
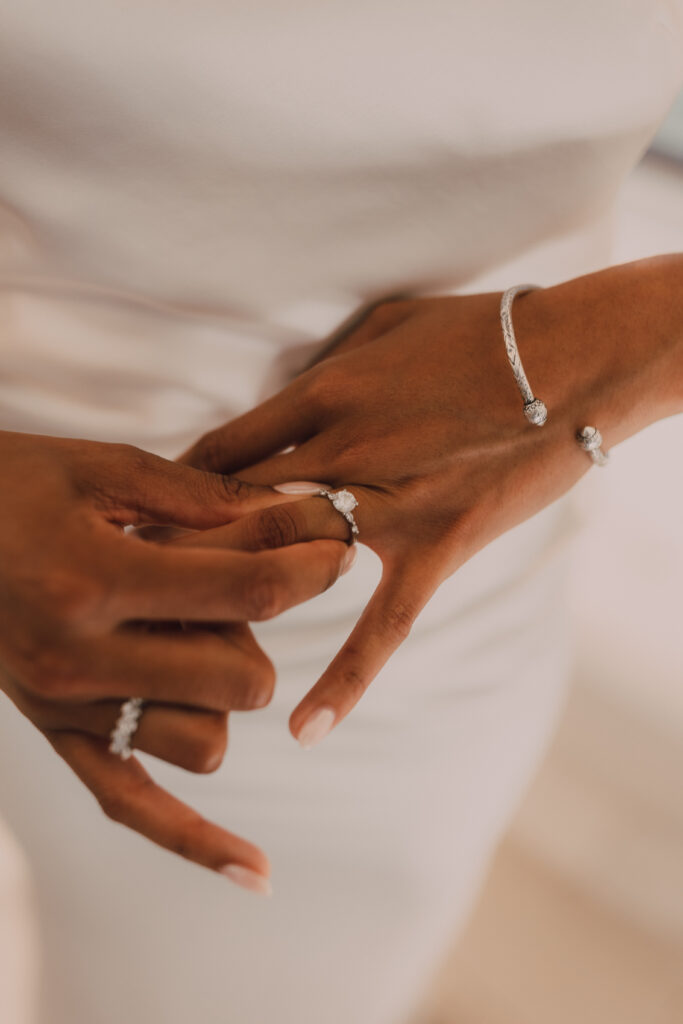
x,y
299,487
349,558
316,727
247,879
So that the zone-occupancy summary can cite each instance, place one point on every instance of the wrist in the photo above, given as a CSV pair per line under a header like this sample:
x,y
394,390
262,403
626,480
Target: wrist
x,y
607,348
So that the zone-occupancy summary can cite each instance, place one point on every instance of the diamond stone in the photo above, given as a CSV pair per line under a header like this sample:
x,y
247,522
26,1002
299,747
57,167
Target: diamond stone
x,y
344,502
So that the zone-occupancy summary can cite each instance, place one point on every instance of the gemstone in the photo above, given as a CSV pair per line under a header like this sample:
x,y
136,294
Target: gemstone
x,y
344,502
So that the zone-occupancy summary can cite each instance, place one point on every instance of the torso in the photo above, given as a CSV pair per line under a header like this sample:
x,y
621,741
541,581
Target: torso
x,y
190,191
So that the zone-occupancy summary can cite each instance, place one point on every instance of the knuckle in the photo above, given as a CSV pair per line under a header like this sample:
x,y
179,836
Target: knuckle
x,y
324,385
71,598
353,682
274,527
352,679
230,487
136,460
52,674
399,621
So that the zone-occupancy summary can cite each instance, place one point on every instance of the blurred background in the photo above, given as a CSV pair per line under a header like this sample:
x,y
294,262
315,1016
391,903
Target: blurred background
x,y
582,916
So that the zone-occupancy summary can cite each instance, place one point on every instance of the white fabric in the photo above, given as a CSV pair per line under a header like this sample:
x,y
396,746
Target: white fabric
x,y
193,194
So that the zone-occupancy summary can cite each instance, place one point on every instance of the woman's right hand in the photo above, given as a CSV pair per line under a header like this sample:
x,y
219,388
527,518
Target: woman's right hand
x,y
89,614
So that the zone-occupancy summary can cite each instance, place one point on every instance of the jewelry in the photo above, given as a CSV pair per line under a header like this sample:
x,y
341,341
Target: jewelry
x,y
590,440
344,502
534,409
126,724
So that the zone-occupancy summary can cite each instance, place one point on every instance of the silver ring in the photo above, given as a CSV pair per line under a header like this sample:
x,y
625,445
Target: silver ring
x,y
124,730
344,502
590,440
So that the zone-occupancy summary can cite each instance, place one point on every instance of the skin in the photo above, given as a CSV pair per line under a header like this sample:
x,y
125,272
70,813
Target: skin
x,y
90,615
417,412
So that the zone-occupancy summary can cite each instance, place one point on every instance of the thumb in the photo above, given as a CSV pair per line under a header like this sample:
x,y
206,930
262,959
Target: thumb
x,y
134,487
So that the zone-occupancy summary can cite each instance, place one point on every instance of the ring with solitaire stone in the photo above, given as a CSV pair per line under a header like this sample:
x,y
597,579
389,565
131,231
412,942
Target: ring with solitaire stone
x,y
126,724
344,502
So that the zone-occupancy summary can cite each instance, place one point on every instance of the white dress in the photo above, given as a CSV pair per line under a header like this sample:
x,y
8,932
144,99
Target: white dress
x,y
192,195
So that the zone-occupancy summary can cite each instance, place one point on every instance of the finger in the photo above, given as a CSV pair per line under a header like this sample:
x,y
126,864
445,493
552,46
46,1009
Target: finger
x,y
198,669
283,420
134,487
275,527
310,461
128,795
174,582
290,417
384,625
368,324
187,737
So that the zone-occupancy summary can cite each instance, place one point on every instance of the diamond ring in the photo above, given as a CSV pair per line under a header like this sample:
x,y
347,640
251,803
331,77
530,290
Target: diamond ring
x,y
126,724
344,502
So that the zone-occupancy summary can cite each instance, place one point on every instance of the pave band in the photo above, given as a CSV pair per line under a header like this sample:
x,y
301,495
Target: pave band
x,y
124,730
344,502
534,409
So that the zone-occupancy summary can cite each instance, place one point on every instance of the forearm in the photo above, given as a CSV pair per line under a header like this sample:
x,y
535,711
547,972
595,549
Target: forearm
x,y
607,348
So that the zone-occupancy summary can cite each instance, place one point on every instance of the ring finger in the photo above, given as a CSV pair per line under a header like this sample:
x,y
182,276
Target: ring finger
x,y
190,738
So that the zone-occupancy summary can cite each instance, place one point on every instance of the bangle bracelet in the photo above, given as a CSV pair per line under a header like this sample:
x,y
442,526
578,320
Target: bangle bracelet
x,y
534,409
590,440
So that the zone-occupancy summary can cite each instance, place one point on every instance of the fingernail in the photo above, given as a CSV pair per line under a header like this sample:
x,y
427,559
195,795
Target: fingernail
x,y
316,727
349,558
299,487
247,879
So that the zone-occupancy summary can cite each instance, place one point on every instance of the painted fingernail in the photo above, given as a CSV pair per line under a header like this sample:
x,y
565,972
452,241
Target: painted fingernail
x,y
349,558
299,487
316,727
247,879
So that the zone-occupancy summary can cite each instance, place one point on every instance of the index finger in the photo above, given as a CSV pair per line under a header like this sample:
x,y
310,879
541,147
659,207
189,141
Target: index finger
x,y
128,795
173,582
383,626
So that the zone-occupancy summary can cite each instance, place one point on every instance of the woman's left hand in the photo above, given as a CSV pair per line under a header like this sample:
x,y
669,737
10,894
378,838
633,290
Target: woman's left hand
x,y
418,414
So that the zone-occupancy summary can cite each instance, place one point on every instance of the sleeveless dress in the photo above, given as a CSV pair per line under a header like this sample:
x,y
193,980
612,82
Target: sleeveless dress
x,y
193,195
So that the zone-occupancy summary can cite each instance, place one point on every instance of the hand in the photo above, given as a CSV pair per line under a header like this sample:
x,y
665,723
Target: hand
x,y
84,623
417,412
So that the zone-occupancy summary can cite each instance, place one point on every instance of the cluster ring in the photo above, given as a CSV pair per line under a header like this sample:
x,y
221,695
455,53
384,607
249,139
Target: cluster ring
x,y
126,725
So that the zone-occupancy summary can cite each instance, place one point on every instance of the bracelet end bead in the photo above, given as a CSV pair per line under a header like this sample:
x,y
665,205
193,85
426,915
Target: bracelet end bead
x,y
590,439
536,412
